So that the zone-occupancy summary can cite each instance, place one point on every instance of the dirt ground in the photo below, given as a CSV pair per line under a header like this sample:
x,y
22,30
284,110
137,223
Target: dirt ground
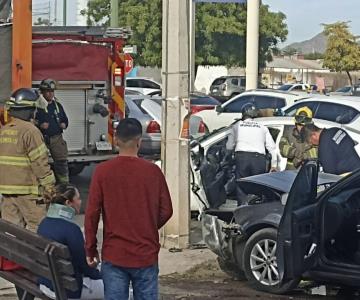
x,y
207,281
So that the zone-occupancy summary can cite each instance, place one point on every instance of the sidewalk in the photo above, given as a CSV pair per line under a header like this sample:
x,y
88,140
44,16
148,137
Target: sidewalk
x,y
169,262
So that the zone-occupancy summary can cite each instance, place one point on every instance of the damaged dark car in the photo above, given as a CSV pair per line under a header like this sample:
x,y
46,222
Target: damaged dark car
x,y
296,225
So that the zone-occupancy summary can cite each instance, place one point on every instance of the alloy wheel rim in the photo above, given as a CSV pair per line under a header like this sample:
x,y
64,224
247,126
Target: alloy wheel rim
x,y
263,262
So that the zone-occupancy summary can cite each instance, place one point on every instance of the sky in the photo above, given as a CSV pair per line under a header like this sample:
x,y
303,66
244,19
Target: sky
x,y
304,17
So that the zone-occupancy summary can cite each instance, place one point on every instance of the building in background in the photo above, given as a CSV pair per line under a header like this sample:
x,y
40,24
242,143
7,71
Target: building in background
x,y
59,12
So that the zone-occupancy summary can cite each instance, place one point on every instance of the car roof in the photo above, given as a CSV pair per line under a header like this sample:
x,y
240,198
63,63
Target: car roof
x,y
352,101
144,78
272,92
280,181
284,120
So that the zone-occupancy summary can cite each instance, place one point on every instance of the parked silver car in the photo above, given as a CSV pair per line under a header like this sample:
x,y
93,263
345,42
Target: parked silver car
x,y
226,87
151,139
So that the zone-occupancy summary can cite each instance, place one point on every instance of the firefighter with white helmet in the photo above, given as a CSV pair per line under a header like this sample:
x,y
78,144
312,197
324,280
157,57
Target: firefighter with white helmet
x,y
293,145
24,168
52,121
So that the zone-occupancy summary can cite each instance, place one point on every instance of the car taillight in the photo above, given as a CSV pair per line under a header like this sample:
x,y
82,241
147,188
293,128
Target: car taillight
x,y
153,127
202,127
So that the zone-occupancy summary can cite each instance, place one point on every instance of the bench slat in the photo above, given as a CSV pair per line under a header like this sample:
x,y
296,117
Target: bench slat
x,y
36,268
21,247
23,283
32,238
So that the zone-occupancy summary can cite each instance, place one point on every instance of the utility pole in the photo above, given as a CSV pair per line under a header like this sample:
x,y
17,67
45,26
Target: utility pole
x,y
21,44
252,44
175,152
114,16
64,12
192,24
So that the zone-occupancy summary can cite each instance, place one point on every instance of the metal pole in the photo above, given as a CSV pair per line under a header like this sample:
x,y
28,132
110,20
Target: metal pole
x,y
114,17
64,12
175,152
252,44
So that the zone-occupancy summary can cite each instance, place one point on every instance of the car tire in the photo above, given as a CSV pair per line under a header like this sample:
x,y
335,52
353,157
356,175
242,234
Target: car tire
x,y
231,269
263,275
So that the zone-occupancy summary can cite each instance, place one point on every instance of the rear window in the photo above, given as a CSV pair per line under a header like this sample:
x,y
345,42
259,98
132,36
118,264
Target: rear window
x,y
204,101
150,85
219,81
310,104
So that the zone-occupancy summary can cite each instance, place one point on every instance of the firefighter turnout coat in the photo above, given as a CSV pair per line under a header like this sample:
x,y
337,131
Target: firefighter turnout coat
x,y
295,149
24,165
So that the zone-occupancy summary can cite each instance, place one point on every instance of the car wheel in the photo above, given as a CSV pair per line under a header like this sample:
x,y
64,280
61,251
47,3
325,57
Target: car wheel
x,y
76,169
231,269
260,265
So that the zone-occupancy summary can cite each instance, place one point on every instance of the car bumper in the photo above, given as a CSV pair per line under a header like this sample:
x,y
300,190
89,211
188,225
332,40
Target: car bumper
x,y
150,146
213,235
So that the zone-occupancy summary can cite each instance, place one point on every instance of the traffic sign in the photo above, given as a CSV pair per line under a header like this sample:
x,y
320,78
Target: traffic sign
x,y
129,63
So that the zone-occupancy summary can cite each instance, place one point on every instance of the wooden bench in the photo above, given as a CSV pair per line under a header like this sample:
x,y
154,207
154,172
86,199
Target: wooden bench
x,y
40,257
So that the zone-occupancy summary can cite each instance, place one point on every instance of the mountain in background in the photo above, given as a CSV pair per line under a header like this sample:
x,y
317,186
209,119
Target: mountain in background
x,y
316,44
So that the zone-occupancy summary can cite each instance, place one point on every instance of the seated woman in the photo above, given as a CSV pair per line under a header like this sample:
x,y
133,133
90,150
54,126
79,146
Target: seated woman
x,y
59,226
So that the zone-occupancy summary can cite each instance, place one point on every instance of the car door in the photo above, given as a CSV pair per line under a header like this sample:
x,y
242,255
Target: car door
x,y
298,234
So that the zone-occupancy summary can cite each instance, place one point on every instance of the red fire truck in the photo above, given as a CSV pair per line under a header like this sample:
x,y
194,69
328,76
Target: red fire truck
x,y
89,68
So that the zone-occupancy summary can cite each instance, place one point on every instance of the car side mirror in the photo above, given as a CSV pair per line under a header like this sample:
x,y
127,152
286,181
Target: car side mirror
x,y
219,109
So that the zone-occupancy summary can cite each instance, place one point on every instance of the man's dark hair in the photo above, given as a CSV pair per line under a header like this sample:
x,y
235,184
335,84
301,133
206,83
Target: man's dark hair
x,y
128,129
308,129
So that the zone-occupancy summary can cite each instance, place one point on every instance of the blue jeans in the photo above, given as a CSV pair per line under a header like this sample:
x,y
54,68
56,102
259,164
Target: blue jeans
x,y
117,280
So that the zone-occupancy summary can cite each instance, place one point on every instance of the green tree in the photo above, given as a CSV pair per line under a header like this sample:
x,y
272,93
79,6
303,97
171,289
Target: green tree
x,y
220,30
314,56
342,51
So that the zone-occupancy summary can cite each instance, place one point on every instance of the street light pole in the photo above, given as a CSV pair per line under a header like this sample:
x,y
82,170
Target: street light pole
x,y
252,44
114,17
175,151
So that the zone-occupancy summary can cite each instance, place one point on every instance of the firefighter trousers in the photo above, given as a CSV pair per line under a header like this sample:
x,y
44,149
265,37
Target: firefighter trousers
x,y
58,150
23,210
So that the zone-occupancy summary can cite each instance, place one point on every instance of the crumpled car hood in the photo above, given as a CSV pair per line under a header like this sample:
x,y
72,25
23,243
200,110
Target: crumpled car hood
x,y
279,181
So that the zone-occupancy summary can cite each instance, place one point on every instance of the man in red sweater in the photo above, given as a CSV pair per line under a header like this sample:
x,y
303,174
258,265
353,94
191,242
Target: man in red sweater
x,y
132,196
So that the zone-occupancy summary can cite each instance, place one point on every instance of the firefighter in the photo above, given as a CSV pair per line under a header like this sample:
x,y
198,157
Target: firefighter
x,y
52,121
24,168
250,141
293,145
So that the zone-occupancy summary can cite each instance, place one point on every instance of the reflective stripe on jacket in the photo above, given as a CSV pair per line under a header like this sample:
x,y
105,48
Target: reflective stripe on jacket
x,y
24,165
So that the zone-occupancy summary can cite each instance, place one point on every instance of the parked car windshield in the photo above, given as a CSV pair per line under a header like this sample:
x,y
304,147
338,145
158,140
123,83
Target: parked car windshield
x,y
218,81
203,100
344,89
285,87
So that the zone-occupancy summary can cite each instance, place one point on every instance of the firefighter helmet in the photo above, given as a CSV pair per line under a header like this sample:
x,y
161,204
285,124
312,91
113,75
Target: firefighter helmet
x,y
47,85
303,116
249,110
23,98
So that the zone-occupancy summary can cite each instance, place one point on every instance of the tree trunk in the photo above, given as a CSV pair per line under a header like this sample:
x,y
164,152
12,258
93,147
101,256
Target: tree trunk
x,y
350,79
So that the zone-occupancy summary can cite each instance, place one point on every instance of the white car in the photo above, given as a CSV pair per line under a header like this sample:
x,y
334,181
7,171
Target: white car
x,y
294,87
145,86
344,110
213,146
228,112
